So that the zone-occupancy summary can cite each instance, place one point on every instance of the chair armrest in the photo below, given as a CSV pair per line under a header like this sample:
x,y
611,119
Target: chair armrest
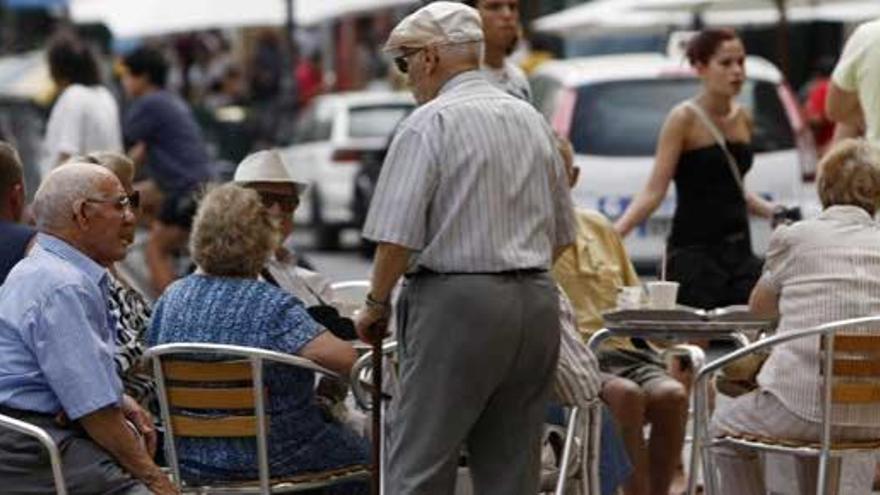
x,y
359,388
41,436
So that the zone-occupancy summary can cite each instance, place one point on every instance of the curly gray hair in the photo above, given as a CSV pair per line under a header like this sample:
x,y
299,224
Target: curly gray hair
x,y
232,233
849,174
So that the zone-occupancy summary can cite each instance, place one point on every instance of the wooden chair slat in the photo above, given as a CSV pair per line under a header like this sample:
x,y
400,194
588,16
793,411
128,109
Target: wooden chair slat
x,y
855,393
862,344
200,371
856,367
211,398
227,426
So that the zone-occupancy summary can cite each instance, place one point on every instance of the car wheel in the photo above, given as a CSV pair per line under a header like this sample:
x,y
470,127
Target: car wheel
x,y
326,236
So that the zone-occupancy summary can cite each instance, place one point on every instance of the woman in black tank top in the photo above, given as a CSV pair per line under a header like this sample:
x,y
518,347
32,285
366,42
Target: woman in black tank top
x,y
709,249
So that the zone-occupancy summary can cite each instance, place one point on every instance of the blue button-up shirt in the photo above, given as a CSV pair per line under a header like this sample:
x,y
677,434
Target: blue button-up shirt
x,y
56,339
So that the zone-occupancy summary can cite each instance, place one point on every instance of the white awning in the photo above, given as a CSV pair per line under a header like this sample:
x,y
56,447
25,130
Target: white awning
x,y
127,18
605,15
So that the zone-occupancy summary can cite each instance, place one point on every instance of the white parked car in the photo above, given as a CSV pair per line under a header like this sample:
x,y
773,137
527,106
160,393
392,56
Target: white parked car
x,y
612,107
332,136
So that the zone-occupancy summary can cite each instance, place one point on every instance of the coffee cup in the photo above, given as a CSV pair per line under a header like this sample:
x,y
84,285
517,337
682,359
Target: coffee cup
x,y
629,298
662,294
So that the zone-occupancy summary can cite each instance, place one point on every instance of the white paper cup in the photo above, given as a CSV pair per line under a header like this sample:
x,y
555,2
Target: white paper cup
x,y
662,295
629,298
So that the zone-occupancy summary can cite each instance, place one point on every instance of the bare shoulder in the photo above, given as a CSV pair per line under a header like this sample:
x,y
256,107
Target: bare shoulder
x,y
680,118
744,115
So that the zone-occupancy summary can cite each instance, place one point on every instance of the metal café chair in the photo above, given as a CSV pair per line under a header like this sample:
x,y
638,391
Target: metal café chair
x,y
850,367
349,295
46,441
188,381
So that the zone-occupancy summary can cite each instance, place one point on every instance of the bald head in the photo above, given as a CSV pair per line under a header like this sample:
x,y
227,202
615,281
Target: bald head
x,y
56,199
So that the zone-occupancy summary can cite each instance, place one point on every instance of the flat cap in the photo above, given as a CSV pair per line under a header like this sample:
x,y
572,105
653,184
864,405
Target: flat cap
x,y
438,23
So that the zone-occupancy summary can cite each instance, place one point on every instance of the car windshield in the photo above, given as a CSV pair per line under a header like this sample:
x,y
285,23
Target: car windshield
x,y
376,120
623,118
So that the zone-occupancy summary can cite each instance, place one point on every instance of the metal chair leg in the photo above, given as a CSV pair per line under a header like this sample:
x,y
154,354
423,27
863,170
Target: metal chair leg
x,y
567,449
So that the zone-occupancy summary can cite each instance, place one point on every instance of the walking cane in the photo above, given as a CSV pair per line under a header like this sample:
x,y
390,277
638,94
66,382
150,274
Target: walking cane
x,y
377,331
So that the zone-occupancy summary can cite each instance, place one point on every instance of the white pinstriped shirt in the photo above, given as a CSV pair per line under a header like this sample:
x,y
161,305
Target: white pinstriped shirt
x,y
473,183
824,269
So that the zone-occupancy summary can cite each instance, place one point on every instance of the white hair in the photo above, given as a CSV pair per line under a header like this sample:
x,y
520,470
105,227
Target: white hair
x,y
61,189
471,51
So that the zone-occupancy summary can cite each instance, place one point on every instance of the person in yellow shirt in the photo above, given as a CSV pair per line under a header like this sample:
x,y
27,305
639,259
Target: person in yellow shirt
x,y
636,386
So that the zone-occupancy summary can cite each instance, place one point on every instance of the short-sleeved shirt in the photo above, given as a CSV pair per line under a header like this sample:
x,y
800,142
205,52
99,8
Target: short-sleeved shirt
x,y
859,71
510,79
823,269
84,119
16,238
473,182
593,270
56,334
177,157
249,312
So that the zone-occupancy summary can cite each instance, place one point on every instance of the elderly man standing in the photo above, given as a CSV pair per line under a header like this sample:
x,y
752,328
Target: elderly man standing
x,y
17,238
56,339
472,203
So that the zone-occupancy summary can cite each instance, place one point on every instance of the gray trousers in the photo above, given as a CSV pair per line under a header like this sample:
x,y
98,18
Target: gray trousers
x,y
478,355
87,468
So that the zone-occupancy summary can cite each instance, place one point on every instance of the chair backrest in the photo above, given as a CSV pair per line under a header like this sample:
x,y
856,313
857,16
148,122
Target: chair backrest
x,y
349,295
855,368
224,379
41,436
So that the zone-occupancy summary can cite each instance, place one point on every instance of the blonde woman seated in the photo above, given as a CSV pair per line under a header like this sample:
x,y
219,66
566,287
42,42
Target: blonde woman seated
x,y
224,302
817,271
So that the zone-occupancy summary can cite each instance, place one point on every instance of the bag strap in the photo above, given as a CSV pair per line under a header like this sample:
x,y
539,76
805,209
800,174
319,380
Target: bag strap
x,y
719,138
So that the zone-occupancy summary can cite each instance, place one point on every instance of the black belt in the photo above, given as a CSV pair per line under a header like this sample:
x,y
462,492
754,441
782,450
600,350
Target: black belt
x,y
519,272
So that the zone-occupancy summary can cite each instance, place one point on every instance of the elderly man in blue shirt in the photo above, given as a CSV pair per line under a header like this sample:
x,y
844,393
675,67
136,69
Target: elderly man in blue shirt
x,y
56,339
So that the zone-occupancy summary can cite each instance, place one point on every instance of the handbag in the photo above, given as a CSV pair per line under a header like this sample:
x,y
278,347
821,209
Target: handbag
x,y
323,313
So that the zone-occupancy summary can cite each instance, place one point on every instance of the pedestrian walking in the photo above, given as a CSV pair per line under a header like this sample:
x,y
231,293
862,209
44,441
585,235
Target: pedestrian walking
x,y
472,205
85,117
705,147
164,138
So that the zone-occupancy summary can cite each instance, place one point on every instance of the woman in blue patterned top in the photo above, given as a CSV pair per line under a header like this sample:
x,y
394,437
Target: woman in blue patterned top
x,y
224,302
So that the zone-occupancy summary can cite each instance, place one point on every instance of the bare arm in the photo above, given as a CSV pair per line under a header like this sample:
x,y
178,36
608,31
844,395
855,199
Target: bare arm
x,y
844,131
138,154
764,301
669,149
332,353
843,107
758,205
389,265
108,429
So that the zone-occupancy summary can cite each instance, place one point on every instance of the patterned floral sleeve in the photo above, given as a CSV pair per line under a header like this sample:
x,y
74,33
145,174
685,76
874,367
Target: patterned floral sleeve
x,y
132,315
299,328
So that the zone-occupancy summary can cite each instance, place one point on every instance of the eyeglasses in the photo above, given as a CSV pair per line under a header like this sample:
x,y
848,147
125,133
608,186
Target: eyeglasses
x,y
286,202
120,203
402,62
